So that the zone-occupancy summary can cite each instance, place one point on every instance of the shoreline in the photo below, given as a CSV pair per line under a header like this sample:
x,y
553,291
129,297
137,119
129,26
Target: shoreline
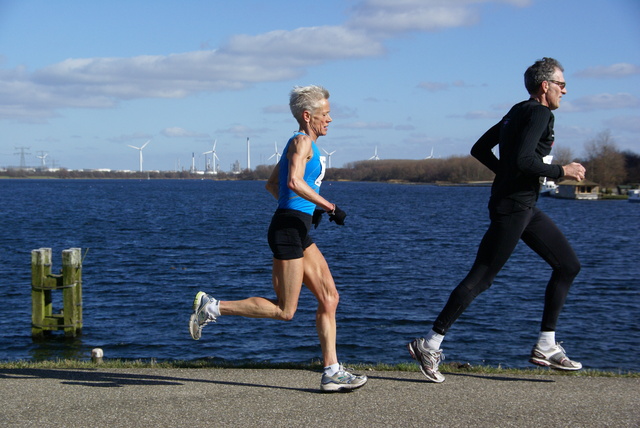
x,y
446,368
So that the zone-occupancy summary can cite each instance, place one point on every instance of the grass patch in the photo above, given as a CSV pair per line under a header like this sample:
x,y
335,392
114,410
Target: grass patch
x,y
612,197
453,367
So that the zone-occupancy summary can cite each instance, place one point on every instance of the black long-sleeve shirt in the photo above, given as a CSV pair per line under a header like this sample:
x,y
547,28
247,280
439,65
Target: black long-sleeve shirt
x,y
525,135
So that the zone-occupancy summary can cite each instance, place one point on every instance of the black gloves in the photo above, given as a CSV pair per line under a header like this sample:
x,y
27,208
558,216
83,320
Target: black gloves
x,y
317,216
337,215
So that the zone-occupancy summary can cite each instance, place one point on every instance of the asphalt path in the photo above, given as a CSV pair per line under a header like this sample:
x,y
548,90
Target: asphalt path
x,y
292,398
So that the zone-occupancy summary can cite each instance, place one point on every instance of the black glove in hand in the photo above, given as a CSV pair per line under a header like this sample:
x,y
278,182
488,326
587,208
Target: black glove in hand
x,y
337,215
317,216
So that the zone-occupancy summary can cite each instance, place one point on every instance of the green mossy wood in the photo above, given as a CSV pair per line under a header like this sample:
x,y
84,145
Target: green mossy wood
x,y
43,283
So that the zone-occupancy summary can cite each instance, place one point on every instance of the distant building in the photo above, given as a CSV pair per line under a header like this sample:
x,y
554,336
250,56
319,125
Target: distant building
x,y
571,189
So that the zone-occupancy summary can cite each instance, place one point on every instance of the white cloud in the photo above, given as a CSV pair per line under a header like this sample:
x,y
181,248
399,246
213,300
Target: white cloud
x,y
244,61
240,63
292,47
131,137
394,17
602,102
609,71
182,133
400,16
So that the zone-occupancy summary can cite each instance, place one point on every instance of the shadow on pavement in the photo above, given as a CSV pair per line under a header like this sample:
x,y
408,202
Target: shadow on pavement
x,y
94,378
487,377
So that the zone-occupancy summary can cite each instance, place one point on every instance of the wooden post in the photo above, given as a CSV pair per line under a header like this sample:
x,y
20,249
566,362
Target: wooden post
x,y
71,293
43,282
40,295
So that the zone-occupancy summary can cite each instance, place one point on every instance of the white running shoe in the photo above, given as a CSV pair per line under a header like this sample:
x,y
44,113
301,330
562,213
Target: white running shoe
x,y
554,358
342,380
429,359
200,317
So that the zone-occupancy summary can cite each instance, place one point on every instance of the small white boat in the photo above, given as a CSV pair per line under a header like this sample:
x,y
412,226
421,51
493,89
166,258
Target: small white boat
x,y
548,188
634,195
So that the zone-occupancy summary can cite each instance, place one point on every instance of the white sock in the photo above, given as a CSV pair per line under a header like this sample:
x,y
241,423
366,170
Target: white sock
x,y
547,340
213,308
433,340
332,369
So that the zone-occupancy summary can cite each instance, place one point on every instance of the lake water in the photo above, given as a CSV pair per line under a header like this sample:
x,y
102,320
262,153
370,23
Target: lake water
x,y
152,244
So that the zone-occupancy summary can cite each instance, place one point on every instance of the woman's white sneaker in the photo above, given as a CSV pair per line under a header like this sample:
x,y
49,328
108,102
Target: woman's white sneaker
x,y
200,317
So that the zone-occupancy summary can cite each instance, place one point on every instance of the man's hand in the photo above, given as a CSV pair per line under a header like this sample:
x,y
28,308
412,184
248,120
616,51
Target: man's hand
x,y
574,170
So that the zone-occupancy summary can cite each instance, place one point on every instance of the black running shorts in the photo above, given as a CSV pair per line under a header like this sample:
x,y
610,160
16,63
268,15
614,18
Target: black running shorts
x,y
289,234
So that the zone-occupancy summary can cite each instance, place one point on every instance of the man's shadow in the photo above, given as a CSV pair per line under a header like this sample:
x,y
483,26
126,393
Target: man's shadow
x,y
515,378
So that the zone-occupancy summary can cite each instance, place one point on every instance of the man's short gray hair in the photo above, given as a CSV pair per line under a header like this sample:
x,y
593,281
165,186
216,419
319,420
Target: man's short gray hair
x,y
306,98
542,70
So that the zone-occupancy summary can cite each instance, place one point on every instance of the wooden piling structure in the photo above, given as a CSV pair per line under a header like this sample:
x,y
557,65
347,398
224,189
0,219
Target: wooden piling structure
x,y
43,283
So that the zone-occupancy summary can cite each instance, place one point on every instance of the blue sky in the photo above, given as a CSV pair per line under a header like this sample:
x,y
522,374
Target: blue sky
x,y
82,80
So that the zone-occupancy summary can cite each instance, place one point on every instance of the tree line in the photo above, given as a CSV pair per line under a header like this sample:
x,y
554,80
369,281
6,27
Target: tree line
x,y
605,164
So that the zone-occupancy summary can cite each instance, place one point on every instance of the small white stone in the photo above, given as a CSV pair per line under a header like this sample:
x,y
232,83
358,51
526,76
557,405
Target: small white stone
x,y
96,355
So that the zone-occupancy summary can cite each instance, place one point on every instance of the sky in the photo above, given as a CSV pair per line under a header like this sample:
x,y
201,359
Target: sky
x,y
81,81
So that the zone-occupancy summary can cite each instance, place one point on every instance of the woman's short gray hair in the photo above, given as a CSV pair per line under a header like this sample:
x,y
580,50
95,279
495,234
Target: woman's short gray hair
x,y
542,70
306,98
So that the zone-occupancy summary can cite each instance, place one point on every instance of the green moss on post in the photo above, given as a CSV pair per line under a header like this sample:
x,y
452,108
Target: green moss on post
x,y
40,295
71,293
43,282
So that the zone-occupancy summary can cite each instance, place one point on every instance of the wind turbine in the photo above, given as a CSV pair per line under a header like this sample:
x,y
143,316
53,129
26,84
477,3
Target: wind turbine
x,y
140,150
375,155
431,155
214,156
276,154
43,156
328,156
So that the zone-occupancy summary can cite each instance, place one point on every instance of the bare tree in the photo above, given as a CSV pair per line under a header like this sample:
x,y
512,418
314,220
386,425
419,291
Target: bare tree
x,y
562,155
605,163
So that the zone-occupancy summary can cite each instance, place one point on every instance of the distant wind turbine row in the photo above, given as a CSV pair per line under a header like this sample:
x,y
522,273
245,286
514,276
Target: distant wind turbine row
x,y
215,158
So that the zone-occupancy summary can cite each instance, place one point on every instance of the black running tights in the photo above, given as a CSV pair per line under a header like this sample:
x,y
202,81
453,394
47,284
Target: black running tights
x,y
510,222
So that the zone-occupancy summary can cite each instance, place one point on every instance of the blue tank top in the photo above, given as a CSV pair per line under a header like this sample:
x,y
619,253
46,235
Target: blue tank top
x,y
313,175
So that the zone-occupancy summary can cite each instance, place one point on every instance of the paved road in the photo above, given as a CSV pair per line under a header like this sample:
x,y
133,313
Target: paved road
x,y
291,398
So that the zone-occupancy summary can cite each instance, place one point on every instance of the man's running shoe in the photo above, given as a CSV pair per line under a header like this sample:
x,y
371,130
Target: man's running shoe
x,y
429,359
200,317
554,358
342,380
